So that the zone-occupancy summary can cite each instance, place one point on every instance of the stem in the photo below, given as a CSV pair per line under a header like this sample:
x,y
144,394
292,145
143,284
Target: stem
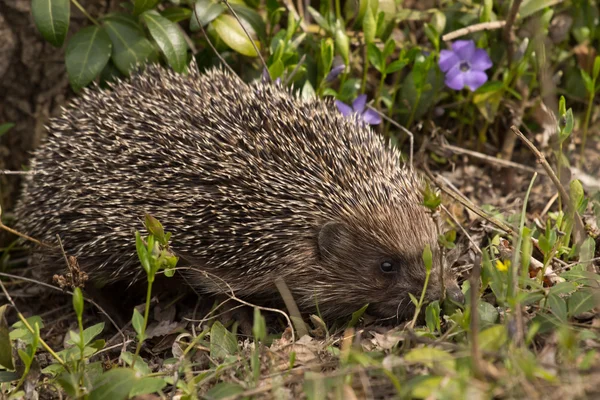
x,y
586,123
379,91
363,84
146,314
338,10
391,110
31,330
413,111
418,310
88,16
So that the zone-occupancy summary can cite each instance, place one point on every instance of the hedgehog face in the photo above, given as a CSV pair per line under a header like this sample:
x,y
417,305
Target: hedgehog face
x,y
381,265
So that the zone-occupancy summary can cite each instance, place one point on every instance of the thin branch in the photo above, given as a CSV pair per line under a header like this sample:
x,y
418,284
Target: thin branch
x,y
411,137
483,26
92,302
262,60
212,46
488,159
509,36
579,232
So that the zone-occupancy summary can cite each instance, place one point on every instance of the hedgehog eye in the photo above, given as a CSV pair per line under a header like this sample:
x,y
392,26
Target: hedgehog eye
x,y
387,267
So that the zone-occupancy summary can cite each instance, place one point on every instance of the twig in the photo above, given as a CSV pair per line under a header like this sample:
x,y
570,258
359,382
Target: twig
x,y
288,80
411,137
509,36
92,302
84,12
466,203
291,306
474,317
579,234
262,60
30,329
463,230
22,235
483,26
212,46
489,159
230,293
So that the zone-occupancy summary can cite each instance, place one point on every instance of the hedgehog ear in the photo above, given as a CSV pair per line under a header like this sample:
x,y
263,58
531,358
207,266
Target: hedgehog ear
x,y
334,240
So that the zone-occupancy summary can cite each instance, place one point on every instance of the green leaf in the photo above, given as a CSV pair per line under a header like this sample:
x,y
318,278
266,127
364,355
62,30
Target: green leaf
x,y
170,40
24,357
327,53
147,385
142,253
276,69
395,66
427,258
230,31
596,70
375,56
308,92
78,302
130,47
252,17
177,14
6,127
529,7
431,357
588,81
569,122
90,333
432,316
52,19
139,6
6,376
580,302
492,338
114,384
320,20
586,253
369,26
259,327
6,360
140,365
224,389
222,342
488,314
138,322
69,383
356,315
342,42
558,306
20,331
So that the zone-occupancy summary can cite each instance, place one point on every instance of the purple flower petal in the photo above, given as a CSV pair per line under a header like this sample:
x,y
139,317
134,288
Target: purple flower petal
x,y
335,71
344,108
371,117
359,103
455,78
480,60
464,49
447,60
474,79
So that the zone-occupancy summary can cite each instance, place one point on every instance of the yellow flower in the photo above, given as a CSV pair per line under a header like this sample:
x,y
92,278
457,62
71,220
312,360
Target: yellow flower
x,y
502,266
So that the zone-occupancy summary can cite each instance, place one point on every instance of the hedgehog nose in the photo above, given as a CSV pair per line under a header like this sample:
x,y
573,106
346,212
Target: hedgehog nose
x,y
455,294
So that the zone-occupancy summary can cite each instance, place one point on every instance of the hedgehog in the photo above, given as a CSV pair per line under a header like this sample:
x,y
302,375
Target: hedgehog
x,y
254,182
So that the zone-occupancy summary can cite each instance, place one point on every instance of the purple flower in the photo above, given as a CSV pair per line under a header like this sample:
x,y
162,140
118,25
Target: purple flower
x,y
335,71
358,107
464,65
